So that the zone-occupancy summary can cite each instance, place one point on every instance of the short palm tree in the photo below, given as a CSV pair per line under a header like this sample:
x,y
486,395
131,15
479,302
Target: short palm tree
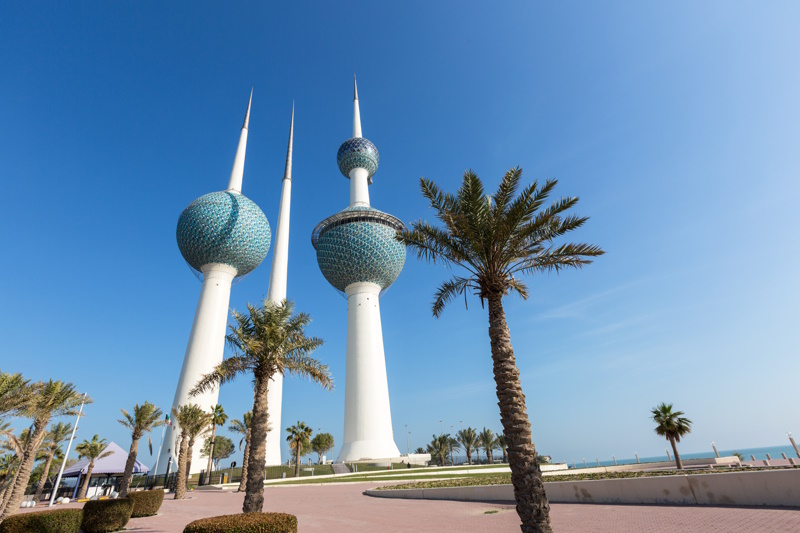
x,y
145,417
487,441
299,440
672,425
468,438
496,239
191,419
501,443
242,427
218,418
439,448
43,402
52,445
92,450
267,341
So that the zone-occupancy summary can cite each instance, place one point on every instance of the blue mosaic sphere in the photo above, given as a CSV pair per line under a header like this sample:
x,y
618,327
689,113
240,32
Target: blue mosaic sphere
x,y
359,245
224,227
357,153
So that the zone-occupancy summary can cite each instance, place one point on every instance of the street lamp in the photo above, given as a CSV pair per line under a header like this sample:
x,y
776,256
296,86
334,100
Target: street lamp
x,y
441,428
408,444
64,462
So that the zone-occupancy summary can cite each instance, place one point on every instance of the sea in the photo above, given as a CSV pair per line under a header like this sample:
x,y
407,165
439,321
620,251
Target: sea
x,y
759,453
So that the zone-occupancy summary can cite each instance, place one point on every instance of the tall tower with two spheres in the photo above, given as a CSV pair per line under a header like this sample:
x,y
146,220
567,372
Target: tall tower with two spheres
x,y
222,236
358,254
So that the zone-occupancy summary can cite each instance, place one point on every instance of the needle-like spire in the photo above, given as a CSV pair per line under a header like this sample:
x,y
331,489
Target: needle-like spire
x,y
287,173
237,172
356,112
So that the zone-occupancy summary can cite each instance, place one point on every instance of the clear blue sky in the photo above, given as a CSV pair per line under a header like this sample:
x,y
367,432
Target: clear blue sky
x,y
676,123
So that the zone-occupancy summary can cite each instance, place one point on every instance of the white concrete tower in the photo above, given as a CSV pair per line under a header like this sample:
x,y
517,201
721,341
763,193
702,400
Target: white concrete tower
x,y
277,293
221,235
358,254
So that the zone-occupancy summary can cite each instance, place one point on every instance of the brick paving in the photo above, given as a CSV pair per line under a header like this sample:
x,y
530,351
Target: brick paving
x,y
342,507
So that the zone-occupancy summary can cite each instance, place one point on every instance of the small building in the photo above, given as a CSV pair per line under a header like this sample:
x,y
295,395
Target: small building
x,y
106,474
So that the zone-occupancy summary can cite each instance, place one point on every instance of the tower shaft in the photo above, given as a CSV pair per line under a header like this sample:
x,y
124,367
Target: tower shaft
x,y
276,294
368,418
203,352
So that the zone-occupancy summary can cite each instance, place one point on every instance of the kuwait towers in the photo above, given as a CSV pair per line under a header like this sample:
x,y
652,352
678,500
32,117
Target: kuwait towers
x,y
358,254
222,235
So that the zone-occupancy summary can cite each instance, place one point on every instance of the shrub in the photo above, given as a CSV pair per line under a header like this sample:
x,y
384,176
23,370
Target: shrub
x,y
102,516
146,502
59,521
245,523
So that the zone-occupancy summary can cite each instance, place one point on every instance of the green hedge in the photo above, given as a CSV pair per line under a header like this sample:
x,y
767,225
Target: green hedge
x,y
58,521
102,516
146,502
245,523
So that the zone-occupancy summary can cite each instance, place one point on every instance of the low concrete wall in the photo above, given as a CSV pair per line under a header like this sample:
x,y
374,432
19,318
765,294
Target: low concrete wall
x,y
776,488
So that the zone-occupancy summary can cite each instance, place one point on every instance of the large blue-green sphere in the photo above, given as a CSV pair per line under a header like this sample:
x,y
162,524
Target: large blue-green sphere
x,y
359,245
357,153
224,227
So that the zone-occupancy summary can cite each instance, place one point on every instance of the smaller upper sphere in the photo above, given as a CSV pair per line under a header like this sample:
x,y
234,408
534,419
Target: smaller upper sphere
x,y
224,227
357,153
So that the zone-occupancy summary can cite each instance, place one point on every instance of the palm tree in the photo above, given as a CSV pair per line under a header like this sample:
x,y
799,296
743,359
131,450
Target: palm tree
x,y
17,445
439,448
488,442
92,450
14,393
420,450
43,402
8,464
501,443
242,427
468,439
192,421
218,418
144,419
267,341
52,445
496,239
672,425
299,440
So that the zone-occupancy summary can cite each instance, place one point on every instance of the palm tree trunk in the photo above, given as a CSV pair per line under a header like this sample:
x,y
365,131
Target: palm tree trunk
x,y
85,484
526,476
43,478
210,454
7,491
678,461
297,459
180,484
254,496
189,455
25,467
245,459
469,456
129,464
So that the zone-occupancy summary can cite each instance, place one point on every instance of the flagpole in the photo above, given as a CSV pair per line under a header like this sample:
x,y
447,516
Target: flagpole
x,y
64,462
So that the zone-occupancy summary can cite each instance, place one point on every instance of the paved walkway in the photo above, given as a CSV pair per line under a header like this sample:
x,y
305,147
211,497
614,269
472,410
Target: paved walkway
x,y
333,508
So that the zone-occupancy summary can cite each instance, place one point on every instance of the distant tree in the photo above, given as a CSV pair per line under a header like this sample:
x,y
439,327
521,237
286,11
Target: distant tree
x,y
495,240
672,425
267,341
52,446
321,444
222,449
468,439
191,419
298,440
420,450
501,443
488,442
242,427
439,448
143,420
43,402
93,450
218,418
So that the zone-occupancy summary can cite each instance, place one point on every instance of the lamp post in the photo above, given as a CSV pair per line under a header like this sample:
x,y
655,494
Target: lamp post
x,y
715,449
64,462
450,442
669,457
408,442
441,428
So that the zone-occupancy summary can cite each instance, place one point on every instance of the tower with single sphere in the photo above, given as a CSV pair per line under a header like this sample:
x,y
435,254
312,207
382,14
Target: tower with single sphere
x,y
222,236
358,254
